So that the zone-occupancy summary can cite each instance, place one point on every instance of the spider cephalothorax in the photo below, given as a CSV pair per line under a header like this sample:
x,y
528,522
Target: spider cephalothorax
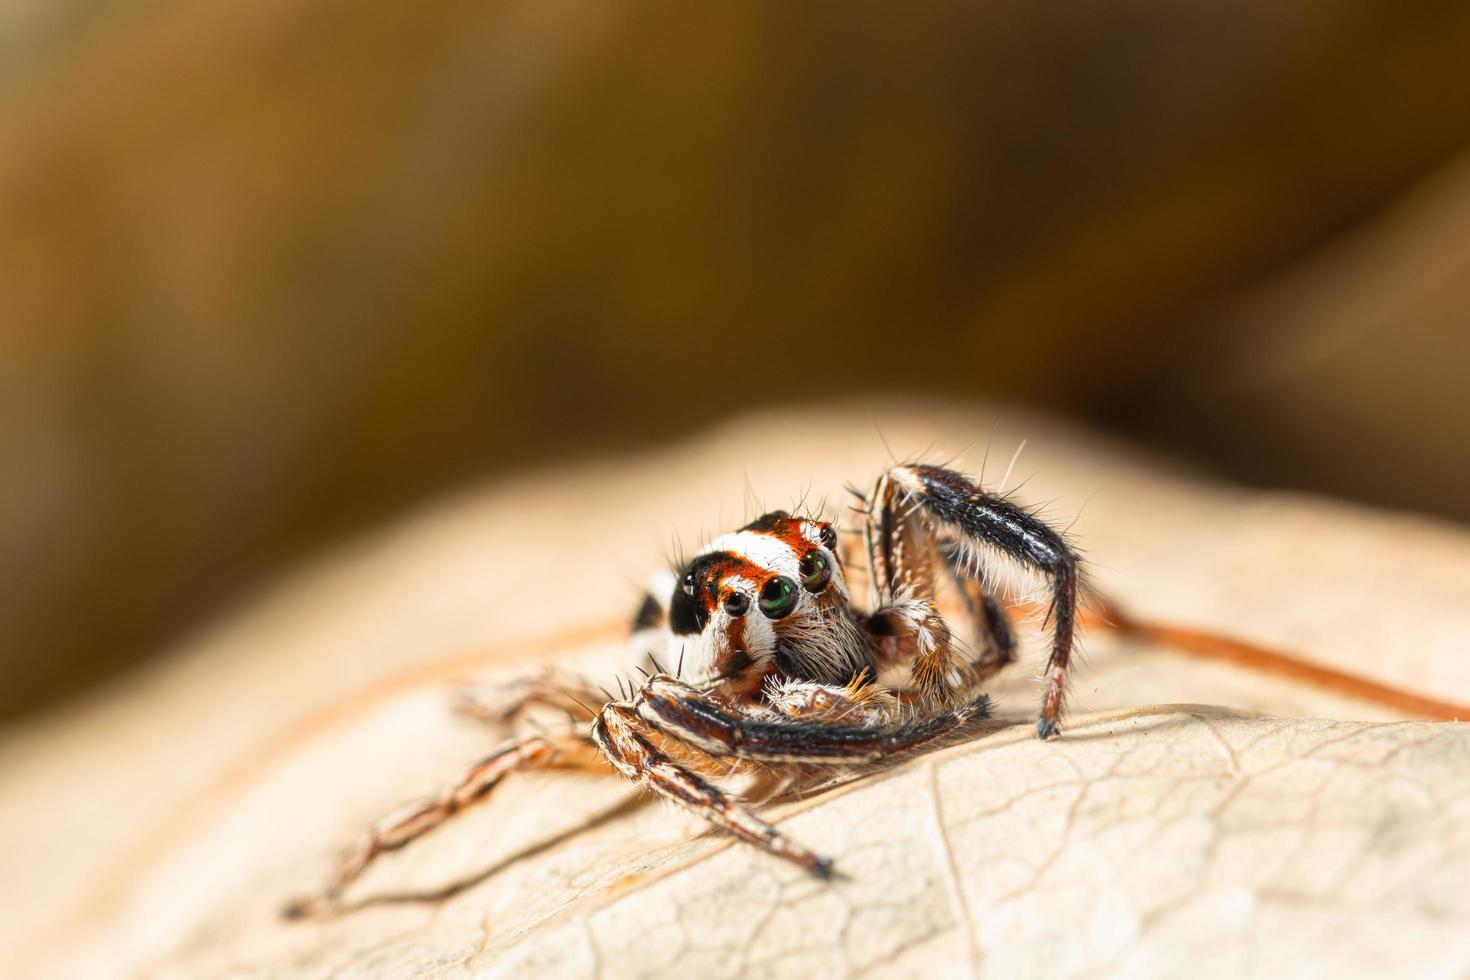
x,y
768,599
776,665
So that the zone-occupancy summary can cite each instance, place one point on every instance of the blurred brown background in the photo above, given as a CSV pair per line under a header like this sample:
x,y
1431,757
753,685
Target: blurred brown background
x,y
273,271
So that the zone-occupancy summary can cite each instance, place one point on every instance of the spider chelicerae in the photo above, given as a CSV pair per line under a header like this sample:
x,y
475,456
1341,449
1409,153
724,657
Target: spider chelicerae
x,y
775,666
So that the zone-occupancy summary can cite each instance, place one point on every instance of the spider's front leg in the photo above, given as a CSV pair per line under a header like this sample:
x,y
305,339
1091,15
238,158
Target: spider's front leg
x,y
712,725
627,732
627,742
912,506
992,626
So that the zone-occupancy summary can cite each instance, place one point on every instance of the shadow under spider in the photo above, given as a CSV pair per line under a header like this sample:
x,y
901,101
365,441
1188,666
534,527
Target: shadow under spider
x,y
636,801
1175,716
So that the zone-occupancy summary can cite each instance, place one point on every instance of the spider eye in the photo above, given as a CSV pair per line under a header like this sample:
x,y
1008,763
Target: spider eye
x,y
829,536
778,597
688,584
815,571
736,604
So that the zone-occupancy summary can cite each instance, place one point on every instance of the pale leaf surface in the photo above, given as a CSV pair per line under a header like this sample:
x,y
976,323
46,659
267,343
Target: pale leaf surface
x,y
1269,829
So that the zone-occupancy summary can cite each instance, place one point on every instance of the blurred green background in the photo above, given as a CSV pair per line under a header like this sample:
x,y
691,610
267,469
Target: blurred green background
x,y
272,272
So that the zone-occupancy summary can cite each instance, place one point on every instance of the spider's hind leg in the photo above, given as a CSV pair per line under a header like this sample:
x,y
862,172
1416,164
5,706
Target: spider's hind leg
x,y
539,751
991,624
503,704
650,640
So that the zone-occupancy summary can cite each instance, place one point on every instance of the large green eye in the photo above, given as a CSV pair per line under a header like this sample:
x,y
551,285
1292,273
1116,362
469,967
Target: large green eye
x,y
778,597
815,571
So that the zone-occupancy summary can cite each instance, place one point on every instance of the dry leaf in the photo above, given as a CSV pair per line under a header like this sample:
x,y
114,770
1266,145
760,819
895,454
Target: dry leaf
x,y
159,830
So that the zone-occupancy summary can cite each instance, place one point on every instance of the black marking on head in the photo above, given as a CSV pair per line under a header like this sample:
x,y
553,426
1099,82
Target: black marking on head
x,y
690,611
649,615
683,614
767,522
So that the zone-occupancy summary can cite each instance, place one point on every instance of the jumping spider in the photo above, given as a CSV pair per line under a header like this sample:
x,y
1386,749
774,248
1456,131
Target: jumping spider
x,y
777,667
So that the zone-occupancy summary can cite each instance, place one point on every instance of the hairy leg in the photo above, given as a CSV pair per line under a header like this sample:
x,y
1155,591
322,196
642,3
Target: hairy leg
x,y
569,751
628,742
816,730
992,627
913,505
713,726
912,631
572,696
861,702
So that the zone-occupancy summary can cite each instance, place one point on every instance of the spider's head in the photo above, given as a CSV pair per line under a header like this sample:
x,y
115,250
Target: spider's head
x,y
762,595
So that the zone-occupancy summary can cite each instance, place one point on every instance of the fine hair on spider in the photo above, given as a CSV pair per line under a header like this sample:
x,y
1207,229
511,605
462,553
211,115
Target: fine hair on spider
x,y
777,665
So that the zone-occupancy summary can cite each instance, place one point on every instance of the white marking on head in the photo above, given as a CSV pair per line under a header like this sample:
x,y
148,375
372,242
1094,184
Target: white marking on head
x,y
769,552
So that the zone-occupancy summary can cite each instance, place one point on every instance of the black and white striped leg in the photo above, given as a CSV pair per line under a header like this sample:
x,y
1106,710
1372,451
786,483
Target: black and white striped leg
x,y
627,732
711,725
993,633
912,502
627,741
